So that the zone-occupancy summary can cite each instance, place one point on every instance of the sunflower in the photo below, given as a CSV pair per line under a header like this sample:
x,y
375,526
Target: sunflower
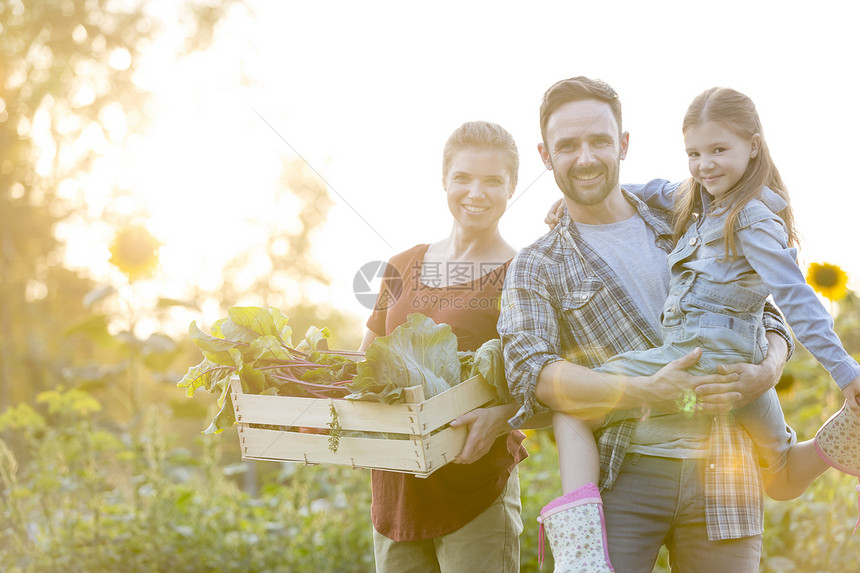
x,y
828,280
134,251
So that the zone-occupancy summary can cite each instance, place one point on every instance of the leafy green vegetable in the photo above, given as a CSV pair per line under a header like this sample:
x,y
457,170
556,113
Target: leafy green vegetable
x,y
254,344
489,362
418,352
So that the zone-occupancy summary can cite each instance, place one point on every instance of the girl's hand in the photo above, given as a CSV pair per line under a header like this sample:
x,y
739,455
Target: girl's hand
x,y
554,214
852,395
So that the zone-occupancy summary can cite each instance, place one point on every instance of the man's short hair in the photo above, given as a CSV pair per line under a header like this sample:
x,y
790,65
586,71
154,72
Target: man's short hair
x,y
577,89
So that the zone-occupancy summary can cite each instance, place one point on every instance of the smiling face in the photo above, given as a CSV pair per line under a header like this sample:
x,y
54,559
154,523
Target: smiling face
x,y
478,186
584,147
718,157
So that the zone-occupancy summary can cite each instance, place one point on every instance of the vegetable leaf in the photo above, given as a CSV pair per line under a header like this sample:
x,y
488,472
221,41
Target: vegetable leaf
x,y
213,348
204,375
489,362
247,323
418,352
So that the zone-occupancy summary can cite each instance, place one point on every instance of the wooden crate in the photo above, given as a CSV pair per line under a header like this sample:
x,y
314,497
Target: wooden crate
x,y
421,449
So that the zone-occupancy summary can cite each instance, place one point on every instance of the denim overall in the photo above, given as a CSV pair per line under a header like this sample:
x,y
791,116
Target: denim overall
x,y
717,305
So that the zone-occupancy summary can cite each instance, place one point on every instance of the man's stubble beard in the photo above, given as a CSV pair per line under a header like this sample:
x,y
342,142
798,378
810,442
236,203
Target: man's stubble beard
x,y
568,186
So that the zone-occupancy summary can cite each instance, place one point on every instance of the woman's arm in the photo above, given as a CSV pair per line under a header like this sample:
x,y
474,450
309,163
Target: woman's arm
x,y
369,337
484,425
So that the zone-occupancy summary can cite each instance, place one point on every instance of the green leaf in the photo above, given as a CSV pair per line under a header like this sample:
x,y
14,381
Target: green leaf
x,y
215,349
343,370
226,417
253,380
312,339
247,323
216,328
205,375
489,361
417,352
268,348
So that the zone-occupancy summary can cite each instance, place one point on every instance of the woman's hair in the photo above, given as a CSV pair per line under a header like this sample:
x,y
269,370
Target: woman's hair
x,y
736,112
483,135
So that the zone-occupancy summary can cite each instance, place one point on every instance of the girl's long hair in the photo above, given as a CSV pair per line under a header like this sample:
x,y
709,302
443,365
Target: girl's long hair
x,y
736,112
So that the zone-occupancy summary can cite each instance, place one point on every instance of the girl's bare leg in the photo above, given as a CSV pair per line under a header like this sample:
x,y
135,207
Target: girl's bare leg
x,y
578,460
804,465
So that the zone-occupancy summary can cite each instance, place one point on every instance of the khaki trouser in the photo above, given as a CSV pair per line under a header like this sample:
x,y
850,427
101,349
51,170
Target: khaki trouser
x,y
490,542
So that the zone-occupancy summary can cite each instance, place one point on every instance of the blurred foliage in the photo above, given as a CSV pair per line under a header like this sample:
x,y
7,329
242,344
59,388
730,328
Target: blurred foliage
x,y
67,95
82,493
89,502
172,503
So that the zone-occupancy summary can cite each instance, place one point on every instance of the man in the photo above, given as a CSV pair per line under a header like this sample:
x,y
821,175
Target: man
x,y
582,294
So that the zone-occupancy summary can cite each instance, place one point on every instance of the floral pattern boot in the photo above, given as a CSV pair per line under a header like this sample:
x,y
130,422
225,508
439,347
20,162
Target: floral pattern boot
x,y
576,530
838,441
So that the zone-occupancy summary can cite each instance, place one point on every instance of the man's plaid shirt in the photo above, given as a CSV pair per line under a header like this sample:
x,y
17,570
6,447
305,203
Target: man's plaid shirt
x,y
561,301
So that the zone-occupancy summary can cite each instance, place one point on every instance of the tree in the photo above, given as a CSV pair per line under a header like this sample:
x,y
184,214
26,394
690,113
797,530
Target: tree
x,y
67,96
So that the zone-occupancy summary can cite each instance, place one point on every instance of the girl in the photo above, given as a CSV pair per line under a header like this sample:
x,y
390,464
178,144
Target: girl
x,y
735,247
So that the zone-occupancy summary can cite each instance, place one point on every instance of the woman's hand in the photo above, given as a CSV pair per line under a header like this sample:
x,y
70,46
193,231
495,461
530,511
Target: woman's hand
x,y
484,426
554,214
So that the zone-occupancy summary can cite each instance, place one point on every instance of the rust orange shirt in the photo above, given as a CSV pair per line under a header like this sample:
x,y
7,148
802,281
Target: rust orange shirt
x,y
407,508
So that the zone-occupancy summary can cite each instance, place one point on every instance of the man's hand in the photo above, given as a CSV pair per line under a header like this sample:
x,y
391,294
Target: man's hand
x,y
484,426
753,380
673,389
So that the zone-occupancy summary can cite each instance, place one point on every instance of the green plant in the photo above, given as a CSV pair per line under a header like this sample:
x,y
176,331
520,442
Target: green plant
x,y
159,507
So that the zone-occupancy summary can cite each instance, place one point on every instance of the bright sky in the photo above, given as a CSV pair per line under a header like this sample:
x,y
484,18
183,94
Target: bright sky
x,y
368,92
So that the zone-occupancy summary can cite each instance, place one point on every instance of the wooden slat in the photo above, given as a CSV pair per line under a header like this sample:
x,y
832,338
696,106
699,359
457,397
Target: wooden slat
x,y
464,397
316,413
442,447
413,394
395,455
421,455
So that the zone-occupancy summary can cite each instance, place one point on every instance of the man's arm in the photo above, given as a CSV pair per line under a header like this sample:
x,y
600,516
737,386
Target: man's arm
x,y
540,378
579,391
528,328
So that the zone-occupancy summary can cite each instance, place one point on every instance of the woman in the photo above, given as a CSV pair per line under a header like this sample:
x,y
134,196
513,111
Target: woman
x,y
466,515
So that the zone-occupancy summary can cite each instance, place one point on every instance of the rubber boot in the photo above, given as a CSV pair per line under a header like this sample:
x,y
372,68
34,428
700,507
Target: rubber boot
x,y
838,443
576,530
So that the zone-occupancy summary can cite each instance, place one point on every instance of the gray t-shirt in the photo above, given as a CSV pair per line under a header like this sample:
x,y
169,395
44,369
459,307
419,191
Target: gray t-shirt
x,y
629,248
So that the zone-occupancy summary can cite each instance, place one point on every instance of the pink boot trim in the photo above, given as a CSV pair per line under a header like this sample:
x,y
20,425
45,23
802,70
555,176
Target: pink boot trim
x,y
588,494
588,490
